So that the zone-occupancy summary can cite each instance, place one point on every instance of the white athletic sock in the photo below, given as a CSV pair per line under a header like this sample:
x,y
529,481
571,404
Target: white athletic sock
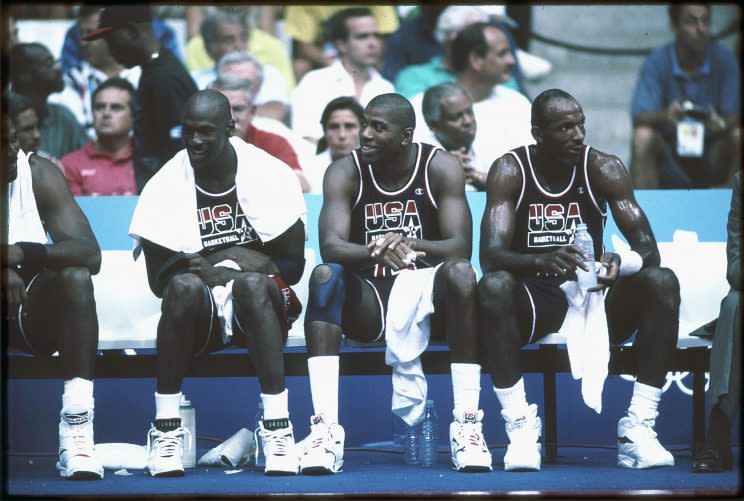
x,y
166,405
465,388
512,398
323,373
276,406
78,394
644,402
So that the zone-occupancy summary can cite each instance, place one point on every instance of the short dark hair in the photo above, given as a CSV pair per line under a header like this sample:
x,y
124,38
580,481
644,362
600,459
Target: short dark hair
x,y
469,40
118,83
542,102
675,11
336,27
398,106
431,105
208,28
341,103
20,61
17,104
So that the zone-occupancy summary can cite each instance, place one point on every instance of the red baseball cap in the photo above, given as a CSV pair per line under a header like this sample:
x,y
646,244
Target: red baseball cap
x,y
119,16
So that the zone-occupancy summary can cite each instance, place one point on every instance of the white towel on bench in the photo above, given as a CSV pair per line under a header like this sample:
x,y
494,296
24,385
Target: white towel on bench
x,y
407,330
24,222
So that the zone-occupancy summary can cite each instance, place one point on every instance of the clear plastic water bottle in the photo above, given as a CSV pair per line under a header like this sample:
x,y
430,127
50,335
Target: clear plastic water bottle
x,y
260,459
411,445
188,420
429,435
582,238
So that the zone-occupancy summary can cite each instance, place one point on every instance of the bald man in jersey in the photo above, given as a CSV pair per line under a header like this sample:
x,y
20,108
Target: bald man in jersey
x,y
220,254
395,237
536,196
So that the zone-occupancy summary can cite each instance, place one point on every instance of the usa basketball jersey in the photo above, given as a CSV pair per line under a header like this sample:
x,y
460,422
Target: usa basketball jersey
x,y
222,222
410,210
546,221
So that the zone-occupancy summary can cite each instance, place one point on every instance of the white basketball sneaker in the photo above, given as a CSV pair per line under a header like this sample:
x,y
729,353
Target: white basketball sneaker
x,y
637,445
279,447
165,448
524,429
325,448
467,444
76,458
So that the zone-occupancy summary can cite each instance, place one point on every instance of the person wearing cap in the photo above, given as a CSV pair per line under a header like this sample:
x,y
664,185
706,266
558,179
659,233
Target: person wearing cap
x,y
164,87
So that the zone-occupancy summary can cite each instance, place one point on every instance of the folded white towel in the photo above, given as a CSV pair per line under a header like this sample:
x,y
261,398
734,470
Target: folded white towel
x,y
407,330
115,456
24,222
268,192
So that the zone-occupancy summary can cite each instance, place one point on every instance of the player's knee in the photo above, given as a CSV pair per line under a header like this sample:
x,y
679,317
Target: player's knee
x,y
326,294
459,277
496,289
251,288
76,281
182,292
663,285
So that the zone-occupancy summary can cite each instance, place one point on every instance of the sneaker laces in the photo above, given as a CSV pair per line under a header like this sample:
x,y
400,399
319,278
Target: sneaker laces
x,y
277,441
473,433
167,442
78,444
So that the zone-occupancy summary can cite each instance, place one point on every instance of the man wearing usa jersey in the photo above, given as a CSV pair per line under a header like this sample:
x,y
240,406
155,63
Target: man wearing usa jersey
x,y
536,196
392,207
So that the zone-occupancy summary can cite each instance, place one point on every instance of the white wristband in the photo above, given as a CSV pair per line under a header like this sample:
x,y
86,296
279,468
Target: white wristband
x,y
630,262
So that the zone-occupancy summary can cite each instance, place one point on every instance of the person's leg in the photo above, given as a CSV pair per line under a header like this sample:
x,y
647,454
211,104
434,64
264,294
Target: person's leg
x,y
724,158
507,313
186,322
645,144
61,314
647,303
259,315
335,299
455,306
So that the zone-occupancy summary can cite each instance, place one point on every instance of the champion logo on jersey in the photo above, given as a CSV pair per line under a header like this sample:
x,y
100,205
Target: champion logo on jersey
x,y
581,190
419,191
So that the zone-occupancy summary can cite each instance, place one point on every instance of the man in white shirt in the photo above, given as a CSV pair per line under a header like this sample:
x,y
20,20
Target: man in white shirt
x,y
482,61
355,34
225,33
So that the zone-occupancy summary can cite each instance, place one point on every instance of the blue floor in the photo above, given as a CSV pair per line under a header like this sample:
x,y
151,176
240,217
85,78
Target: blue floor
x,y
578,472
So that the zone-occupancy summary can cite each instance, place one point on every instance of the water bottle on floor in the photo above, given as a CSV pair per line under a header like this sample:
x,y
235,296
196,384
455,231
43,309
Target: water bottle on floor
x,y
429,435
188,420
582,238
260,459
411,445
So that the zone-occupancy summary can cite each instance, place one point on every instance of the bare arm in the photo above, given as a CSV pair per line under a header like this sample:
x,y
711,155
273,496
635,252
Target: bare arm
x,y
608,174
73,241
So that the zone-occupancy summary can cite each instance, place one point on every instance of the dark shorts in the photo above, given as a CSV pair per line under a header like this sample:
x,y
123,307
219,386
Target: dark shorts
x,y
677,172
213,341
544,304
18,336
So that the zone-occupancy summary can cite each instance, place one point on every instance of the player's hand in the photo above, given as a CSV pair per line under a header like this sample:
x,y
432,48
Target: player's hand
x,y
607,275
389,240
674,112
466,160
13,255
15,290
199,266
561,263
394,251
715,123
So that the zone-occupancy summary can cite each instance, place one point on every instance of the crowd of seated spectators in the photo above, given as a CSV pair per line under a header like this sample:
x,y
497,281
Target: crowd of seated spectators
x,y
293,61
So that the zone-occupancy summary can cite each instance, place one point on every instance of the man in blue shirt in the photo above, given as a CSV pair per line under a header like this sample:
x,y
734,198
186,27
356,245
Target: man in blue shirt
x,y
688,80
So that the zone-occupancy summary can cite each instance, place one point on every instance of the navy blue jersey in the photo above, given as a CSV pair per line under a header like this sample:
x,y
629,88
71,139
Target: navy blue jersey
x,y
222,222
545,221
410,210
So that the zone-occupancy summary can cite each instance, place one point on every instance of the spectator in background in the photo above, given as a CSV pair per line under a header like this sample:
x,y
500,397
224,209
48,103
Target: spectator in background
x,y
23,114
104,166
265,47
418,78
310,49
448,111
239,92
483,61
355,34
413,43
164,86
12,34
691,78
223,33
95,66
73,51
725,356
34,74
341,121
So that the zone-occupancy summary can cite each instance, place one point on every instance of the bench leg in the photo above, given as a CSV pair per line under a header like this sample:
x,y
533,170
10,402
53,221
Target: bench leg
x,y
698,409
551,418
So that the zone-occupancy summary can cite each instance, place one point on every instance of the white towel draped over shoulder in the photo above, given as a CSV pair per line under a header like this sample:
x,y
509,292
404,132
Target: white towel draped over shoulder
x,y
24,222
407,330
268,192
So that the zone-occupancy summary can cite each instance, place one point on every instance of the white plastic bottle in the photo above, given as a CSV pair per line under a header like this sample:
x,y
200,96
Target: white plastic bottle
x,y
188,421
582,238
